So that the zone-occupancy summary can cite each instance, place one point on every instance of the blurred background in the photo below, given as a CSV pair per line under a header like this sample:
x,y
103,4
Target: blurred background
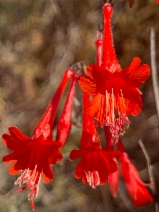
x,y
39,39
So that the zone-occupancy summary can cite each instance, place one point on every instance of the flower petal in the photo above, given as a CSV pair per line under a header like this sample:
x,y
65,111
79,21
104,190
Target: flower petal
x,y
17,134
97,107
113,181
54,156
136,74
95,166
12,169
136,189
9,141
47,173
87,85
9,158
75,153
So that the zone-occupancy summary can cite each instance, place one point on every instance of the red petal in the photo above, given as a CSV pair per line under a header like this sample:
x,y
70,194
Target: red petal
x,y
47,173
95,166
75,153
126,105
127,97
135,73
10,142
53,144
87,85
17,134
55,156
10,157
23,160
97,107
137,191
133,65
113,181
94,71
12,170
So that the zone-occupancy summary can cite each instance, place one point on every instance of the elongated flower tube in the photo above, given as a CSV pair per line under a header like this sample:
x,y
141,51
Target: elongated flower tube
x,y
46,123
65,121
136,188
99,48
115,91
96,163
113,178
34,156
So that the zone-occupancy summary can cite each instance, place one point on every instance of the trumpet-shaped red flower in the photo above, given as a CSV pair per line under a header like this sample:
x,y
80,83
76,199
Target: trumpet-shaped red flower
x,y
136,188
31,156
34,156
114,90
96,163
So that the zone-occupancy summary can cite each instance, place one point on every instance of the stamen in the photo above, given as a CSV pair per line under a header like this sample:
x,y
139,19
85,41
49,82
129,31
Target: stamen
x,y
113,115
108,108
30,180
32,204
106,97
123,101
92,178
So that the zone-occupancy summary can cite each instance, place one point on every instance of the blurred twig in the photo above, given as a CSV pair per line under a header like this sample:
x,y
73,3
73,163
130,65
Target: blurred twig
x,y
122,193
105,192
148,164
151,176
154,69
154,77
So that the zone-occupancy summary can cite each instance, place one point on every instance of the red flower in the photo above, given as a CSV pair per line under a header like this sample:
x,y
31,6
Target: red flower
x,y
96,163
157,1
136,188
31,156
114,90
34,156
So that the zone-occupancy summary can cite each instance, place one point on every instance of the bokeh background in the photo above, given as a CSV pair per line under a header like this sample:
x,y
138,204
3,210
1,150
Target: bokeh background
x,y
39,39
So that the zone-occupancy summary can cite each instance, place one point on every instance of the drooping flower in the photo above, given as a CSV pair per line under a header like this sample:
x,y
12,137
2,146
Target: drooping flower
x,y
99,48
33,157
96,163
136,188
115,91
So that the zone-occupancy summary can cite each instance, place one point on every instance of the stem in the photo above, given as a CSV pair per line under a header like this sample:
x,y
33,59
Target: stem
x,y
154,68
151,176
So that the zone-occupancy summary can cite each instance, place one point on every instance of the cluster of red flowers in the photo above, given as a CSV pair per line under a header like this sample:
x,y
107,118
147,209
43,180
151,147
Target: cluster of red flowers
x,y
110,94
